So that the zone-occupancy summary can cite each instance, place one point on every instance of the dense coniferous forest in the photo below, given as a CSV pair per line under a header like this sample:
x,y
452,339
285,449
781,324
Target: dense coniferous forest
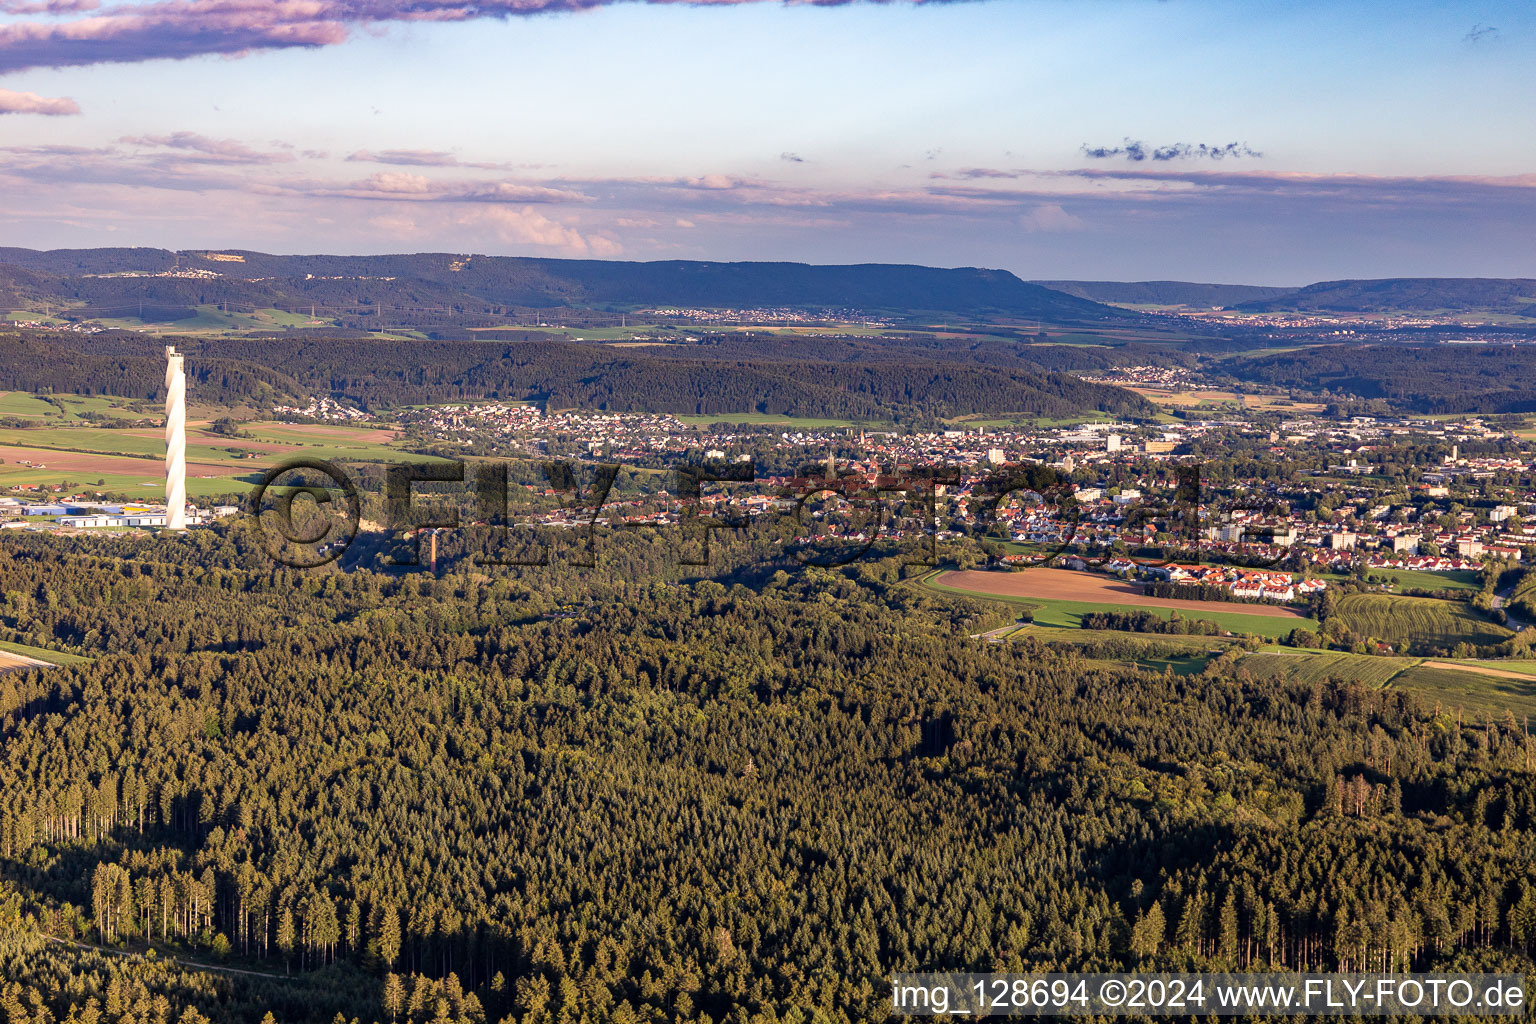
x,y
717,379
634,795
1436,379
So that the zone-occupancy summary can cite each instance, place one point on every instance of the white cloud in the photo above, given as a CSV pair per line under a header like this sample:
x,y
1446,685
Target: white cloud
x,y
1049,217
398,181
530,227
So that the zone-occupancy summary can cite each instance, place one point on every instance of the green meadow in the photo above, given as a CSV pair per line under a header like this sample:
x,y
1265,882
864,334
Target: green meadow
x,y
43,653
1472,692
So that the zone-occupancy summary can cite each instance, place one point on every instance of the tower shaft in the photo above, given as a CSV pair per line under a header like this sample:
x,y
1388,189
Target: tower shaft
x,y
175,441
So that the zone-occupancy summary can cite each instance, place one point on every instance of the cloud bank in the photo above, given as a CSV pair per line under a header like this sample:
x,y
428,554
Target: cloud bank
x,y
1126,220
201,149
126,33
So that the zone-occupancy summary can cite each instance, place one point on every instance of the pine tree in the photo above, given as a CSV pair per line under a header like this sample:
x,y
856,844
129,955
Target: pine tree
x,y
1148,932
394,995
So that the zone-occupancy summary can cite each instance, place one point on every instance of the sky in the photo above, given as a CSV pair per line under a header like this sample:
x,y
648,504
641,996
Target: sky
x,y
1256,141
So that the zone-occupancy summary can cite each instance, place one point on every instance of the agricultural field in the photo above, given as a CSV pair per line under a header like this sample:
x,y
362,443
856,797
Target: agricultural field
x,y
14,655
129,461
1061,597
1184,655
1189,399
89,471
1460,579
1475,687
1523,668
1417,621
1000,420
64,408
1453,686
106,405
23,403
93,439
636,332
1075,635
765,420
1489,687
19,662
210,319
324,441
1318,666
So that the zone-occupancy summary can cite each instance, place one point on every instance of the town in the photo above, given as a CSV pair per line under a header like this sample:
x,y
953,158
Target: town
x,y
1330,497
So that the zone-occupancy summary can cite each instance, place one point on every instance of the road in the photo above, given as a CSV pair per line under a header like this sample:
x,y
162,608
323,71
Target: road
x,y
998,635
1513,621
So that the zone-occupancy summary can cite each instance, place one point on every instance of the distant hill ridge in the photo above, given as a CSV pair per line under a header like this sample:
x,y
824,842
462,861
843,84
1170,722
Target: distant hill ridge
x,y
1425,294
1394,294
481,282
526,281
1165,293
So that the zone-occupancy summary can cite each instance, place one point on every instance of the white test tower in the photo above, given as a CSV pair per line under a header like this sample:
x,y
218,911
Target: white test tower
x,y
175,441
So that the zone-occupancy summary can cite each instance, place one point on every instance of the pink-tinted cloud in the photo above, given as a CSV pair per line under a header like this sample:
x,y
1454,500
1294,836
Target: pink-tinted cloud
x,y
174,29
412,187
1041,200
405,157
429,158
32,103
1368,187
1126,223
202,149
530,227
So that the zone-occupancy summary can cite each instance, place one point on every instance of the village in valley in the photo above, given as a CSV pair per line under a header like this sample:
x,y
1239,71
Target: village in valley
x,y
1409,494
1258,526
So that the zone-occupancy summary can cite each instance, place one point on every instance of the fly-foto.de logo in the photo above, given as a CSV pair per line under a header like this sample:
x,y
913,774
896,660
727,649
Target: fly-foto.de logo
x,y
309,512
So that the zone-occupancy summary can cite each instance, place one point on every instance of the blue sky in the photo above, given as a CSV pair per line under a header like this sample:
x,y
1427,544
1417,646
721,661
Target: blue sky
x,y
1373,139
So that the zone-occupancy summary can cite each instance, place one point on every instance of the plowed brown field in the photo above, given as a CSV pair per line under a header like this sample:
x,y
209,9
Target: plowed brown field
x,y
1092,588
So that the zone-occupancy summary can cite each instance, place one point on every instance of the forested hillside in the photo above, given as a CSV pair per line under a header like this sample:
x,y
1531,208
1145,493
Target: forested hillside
x,y
1426,294
631,796
564,375
495,283
1436,379
134,368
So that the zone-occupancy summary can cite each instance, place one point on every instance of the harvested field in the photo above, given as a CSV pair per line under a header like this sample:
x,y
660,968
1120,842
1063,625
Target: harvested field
x,y
210,439
317,432
1188,399
10,662
100,465
1482,670
1092,588
1183,399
